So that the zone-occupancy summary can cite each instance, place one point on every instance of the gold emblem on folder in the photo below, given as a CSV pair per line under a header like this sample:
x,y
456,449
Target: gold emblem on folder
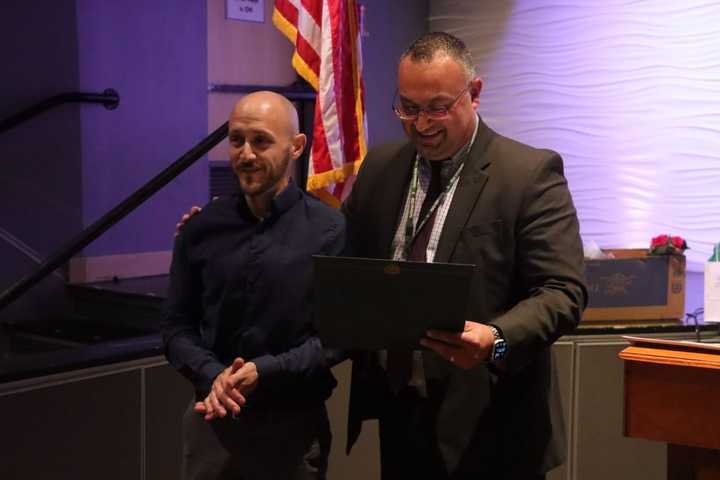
x,y
392,269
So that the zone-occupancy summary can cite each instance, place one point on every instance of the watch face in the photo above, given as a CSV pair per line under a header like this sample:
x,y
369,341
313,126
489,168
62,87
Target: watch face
x,y
499,349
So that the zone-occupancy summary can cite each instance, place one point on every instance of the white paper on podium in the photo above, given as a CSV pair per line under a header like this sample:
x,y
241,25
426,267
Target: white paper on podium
x,y
644,341
712,292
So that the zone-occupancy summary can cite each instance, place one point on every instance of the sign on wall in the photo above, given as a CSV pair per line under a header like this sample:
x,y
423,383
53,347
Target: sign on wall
x,y
245,10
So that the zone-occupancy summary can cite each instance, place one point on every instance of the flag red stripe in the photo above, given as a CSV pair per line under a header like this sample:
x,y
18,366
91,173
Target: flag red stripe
x,y
314,8
346,99
320,157
306,51
288,11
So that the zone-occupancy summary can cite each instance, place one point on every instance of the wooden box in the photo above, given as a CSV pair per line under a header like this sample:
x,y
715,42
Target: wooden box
x,y
636,287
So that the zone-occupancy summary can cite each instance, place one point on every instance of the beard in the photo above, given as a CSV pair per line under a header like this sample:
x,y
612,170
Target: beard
x,y
257,178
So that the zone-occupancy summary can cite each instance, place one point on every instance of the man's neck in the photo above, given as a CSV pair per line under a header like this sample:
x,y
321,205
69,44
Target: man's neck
x,y
451,163
470,137
260,204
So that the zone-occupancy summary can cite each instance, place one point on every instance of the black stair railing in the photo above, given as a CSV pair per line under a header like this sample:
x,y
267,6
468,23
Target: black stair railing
x,y
119,212
109,98
84,238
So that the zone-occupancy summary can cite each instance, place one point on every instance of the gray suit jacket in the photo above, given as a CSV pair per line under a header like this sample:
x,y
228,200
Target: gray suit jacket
x,y
512,216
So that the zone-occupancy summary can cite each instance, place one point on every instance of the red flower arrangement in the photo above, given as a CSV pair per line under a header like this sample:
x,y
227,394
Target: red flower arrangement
x,y
667,245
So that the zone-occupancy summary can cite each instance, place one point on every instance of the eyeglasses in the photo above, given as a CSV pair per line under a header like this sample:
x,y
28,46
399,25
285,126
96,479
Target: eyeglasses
x,y
412,112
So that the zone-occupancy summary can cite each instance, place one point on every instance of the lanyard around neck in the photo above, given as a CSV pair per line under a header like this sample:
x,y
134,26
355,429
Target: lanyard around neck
x,y
411,230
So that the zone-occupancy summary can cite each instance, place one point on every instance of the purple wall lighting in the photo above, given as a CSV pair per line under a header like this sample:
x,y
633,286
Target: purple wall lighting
x,y
628,92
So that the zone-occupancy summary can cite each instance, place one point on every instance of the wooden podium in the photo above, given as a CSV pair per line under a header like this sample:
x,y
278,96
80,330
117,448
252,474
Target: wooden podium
x,y
672,394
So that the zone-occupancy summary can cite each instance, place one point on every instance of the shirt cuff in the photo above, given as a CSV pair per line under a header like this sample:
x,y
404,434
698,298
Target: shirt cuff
x,y
207,375
267,366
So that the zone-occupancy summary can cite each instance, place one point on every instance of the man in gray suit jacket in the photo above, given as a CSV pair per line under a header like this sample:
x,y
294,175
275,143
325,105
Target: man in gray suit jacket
x,y
483,403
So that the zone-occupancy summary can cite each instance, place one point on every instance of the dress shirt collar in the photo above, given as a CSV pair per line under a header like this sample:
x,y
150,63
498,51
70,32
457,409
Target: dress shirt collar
x,y
281,203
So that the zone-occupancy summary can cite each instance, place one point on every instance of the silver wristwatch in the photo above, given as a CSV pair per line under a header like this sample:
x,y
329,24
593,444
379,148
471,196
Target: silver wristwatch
x,y
499,347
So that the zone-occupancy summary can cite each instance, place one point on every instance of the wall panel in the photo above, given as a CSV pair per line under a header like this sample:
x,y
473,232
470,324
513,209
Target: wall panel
x,y
628,92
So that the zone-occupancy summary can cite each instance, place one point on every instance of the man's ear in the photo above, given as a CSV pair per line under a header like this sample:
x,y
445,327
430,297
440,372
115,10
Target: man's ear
x,y
475,87
298,145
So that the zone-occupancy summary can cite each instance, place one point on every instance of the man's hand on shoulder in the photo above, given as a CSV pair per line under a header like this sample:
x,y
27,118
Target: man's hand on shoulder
x,y
465,349
187,216
183,220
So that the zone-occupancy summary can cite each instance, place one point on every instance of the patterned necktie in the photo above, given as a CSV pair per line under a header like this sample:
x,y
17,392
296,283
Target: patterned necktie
x,y
399,361
420,242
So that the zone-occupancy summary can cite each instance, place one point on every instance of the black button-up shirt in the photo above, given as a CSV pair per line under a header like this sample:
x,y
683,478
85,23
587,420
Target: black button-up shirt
x,y
242,287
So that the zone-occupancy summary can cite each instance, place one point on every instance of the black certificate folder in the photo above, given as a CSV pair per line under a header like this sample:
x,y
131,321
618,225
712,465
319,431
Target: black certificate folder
x,y
363,303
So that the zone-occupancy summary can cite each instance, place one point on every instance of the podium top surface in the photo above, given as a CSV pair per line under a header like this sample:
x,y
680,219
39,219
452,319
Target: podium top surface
x,y
683,353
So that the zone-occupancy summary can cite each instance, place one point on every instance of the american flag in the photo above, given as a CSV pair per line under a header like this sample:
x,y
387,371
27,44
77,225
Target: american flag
x,y
326,36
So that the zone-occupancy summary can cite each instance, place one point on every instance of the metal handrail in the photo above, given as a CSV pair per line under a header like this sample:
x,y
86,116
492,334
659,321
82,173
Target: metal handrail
x,y
84,238
109,98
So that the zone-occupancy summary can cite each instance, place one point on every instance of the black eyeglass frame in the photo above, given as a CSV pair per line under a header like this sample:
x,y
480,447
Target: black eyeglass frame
x,y
437,115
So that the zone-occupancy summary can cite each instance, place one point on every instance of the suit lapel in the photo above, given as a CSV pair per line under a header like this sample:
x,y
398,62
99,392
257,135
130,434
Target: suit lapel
x,y
396,178
472,181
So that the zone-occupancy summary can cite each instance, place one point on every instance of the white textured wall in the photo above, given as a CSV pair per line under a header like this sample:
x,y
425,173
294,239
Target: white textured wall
x,y
627,91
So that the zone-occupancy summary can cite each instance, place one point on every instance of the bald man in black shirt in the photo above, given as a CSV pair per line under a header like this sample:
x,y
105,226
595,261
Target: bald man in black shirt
x,y
239,322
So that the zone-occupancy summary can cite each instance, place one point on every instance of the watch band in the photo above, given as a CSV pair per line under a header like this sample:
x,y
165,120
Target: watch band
x,y
499,347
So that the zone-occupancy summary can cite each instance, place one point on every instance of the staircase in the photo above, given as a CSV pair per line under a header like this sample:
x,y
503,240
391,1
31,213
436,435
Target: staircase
x,y
106,322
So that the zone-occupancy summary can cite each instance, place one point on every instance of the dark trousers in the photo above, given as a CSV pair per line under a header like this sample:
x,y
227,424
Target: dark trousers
x,y
257,445
409,449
